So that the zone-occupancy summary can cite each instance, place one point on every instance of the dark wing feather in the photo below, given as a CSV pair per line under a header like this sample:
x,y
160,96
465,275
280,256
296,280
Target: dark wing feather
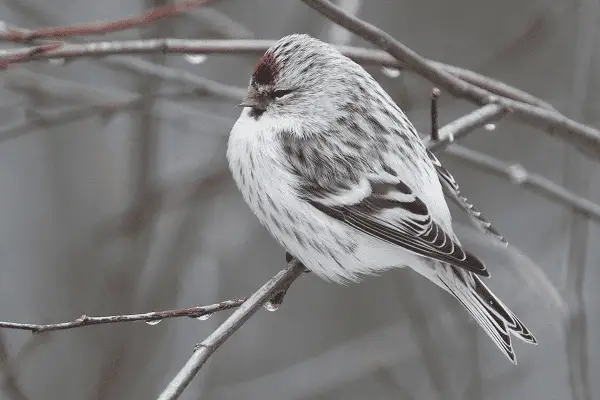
x,y
413,229
452,190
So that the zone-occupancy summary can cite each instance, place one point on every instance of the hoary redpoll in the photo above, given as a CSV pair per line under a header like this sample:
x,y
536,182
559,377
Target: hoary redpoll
x,y
339,176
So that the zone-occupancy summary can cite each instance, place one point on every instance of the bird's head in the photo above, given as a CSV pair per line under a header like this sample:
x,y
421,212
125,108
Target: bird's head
x,y
302,78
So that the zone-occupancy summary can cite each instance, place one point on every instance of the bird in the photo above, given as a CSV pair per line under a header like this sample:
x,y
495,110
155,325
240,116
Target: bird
x,y
341,179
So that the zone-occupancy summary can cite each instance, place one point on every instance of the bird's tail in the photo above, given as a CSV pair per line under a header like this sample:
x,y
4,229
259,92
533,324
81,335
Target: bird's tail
x,y
497,320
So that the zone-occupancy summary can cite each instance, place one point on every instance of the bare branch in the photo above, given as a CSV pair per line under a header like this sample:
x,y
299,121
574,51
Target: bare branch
x,y
464,125
519,176
84,320
28,54
100,28
435,132
585,138
205,349
204,85
255,47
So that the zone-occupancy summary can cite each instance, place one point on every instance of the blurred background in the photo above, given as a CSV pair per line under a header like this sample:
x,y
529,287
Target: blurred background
x,y
116,198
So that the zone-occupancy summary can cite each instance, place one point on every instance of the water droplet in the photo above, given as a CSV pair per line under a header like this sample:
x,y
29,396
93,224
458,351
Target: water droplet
x,y
517,173
204,317
154,322
57,61
195,58
489,127
451,138
269,306
391,72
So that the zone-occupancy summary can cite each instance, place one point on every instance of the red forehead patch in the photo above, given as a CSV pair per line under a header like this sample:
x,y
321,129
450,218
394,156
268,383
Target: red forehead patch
x,y
265,70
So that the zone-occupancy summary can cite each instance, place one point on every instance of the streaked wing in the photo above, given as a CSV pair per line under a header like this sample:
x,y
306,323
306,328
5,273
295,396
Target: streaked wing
x,y
391,212
452,190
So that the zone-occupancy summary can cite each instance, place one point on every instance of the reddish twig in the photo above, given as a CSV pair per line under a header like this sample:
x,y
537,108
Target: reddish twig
x,y
101,28
155,316
30,53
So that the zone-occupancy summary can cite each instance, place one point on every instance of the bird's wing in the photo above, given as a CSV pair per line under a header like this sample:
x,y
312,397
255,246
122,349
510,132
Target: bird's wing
x,y
452,190
389,210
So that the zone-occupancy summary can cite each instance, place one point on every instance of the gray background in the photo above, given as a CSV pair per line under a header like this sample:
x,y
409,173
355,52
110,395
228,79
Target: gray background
x,y
80,234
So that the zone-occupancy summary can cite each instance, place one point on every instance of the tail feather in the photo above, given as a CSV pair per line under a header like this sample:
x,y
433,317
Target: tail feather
x,y
497,320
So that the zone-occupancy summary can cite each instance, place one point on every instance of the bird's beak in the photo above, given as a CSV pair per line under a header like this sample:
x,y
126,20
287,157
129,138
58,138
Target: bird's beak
x,y
252,101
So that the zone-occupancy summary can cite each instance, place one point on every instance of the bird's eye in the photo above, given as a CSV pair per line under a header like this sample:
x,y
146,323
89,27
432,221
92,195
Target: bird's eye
x,y
281,93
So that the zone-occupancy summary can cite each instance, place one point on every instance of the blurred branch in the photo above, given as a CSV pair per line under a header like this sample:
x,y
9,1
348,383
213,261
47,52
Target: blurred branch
x,y
526,107
84,320
583,137
519,176
205,349
203,85
256,47
512,171
27,54
100,28
10,385
221,24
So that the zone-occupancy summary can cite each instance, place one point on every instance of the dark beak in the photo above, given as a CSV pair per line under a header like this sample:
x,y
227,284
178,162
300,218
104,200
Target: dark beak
x,y
252,101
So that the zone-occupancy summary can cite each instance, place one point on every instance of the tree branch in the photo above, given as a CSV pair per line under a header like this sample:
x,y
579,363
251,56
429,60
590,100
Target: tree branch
x,y
585,138
156,316
516,174
100,28
205,349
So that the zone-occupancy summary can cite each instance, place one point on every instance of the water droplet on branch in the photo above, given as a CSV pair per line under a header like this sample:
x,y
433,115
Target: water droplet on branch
x,y
270,306
195,58
204,317
391,72
490,127
154,322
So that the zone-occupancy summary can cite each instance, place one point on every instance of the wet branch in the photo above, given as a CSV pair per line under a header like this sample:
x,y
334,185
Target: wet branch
x,y
84,320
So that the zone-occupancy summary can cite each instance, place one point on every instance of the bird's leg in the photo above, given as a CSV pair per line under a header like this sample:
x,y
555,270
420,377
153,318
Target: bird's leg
x,y
277,298
435,133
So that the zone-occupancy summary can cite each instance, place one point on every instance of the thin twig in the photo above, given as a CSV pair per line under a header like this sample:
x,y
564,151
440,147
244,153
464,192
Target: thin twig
x,y
84,320
435,134
101,28
203,85
464,125
30,53
205,349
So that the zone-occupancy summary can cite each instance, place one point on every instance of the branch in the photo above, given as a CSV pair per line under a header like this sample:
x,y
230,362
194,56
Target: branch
x,y
256,47
519,176
464,125
205,349
512,171
155,316
100,28
585,138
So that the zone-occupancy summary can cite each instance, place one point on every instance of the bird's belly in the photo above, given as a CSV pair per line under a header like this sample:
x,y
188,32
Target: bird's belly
x,y
326,246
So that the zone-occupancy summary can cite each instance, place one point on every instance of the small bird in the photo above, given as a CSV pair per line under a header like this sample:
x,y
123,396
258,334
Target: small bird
x,y
339,176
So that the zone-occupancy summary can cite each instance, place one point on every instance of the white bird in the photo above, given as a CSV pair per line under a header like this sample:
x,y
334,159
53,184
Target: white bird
x,y
333,168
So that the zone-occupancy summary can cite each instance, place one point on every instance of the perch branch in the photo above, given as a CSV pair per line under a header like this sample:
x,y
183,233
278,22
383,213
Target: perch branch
x,y
84,320
205,349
